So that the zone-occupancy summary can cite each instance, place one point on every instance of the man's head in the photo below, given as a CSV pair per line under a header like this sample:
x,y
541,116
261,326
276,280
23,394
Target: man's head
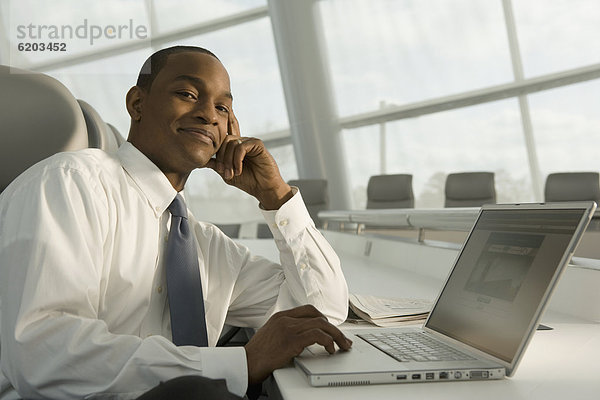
x,y
157,61
180,109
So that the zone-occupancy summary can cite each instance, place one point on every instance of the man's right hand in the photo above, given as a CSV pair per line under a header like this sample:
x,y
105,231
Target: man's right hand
x,y
285,335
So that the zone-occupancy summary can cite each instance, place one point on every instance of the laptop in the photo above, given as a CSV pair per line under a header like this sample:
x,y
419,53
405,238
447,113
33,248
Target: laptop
x,y
486,312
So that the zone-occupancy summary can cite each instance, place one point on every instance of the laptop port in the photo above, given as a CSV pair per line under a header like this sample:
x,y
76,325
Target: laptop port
x,y
416,377
401,377
443,375
429,376
480,375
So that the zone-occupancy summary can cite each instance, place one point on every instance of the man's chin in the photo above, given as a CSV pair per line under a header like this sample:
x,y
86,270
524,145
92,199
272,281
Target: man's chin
x,y
204,162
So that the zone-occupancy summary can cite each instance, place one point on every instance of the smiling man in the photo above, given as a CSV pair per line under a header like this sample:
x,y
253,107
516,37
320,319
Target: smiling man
x,y
88,303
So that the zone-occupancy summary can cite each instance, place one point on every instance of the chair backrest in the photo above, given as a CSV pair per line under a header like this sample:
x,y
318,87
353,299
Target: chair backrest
x,y
469,189
100,135
390,191
231,230
120,139
572,186
263,231
315,196
39,117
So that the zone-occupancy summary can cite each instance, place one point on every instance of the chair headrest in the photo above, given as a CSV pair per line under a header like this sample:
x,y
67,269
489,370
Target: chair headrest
x,y
100,135
40,117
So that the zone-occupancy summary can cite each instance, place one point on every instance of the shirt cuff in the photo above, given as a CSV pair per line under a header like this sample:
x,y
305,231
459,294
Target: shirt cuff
x,y
290,219
226,362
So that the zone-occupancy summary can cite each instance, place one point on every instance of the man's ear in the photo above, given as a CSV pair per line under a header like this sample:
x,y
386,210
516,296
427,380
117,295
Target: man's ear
x,y
134,102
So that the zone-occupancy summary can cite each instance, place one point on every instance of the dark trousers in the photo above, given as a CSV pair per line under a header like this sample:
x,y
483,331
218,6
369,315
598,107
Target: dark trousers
x,y
190,388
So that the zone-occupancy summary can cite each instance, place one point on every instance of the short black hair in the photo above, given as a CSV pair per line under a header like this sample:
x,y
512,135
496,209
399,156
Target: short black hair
x,y
157,61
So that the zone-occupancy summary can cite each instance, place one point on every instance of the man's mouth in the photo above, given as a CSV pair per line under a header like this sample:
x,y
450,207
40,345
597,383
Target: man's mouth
x,y
200,134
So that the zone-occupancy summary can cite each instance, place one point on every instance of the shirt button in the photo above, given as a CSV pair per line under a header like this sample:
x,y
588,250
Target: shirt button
x,y
159,289
303,266
283,222
157,208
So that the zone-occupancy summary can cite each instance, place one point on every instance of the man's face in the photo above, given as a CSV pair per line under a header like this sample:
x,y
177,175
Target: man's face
x,y
185,114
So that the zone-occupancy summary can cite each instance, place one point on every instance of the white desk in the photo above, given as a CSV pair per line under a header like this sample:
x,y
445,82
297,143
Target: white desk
x,y
563,363
560,364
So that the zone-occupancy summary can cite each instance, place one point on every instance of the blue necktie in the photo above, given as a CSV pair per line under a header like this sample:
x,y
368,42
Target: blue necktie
x,y
186,304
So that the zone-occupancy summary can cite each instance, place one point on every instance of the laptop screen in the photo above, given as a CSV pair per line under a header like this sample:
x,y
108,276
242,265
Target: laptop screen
x,y
500,278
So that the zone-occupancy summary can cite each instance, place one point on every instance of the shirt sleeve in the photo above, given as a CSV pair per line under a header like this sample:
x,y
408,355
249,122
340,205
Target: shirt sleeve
x,y
309,272
54,344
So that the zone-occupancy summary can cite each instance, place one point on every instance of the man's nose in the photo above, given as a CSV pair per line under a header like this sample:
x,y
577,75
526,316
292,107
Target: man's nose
x,y
206,112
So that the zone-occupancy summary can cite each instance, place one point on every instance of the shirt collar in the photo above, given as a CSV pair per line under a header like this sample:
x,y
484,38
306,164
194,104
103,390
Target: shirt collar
x,y
149,178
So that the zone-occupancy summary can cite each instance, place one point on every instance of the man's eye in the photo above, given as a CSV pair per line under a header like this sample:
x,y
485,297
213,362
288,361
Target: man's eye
x,y
188,95
223,109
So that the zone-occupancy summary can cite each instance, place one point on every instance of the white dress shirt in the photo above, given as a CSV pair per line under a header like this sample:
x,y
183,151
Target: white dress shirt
x,y
83,297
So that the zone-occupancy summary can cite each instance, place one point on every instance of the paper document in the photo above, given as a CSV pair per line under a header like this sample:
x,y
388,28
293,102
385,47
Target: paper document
x,y
383,311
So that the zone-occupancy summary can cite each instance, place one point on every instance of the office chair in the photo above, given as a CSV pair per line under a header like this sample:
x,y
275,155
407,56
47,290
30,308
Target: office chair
x,y
40,117
231,230
469,189
263,231
315,196
572,186
100,135
390,191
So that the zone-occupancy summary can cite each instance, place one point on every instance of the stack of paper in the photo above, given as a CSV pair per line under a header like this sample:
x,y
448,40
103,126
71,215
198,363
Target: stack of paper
x,y
388,312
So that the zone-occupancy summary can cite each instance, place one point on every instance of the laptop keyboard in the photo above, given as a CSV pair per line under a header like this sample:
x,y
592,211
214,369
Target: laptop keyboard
x,y
413,346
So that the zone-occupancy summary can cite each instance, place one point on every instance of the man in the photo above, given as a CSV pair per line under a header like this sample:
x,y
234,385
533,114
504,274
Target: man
x,y
84,253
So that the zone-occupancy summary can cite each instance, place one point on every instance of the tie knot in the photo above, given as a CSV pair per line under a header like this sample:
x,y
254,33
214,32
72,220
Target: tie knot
x,y
177,207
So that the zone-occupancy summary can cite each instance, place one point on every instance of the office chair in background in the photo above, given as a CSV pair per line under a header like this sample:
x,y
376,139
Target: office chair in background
x,y
469,189
231,230
385,192
572,186
315,196
390,191
263,231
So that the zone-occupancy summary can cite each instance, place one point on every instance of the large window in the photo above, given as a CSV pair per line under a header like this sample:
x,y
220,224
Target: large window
x,y
410,50
405,53
566,122
557,34
486,137
173,15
